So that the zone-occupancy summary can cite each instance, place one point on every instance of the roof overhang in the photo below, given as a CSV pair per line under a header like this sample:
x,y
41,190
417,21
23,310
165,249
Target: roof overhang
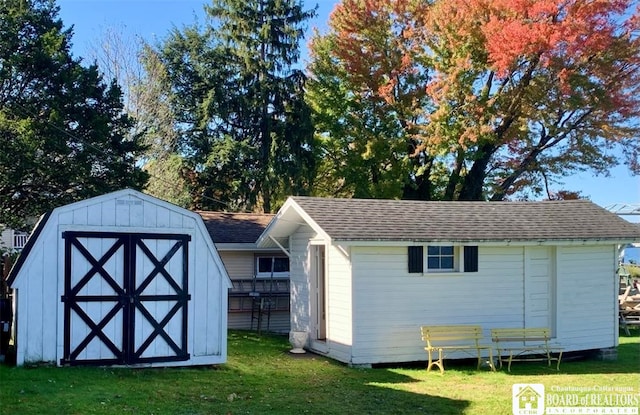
x,y
497,242
288,219
242,247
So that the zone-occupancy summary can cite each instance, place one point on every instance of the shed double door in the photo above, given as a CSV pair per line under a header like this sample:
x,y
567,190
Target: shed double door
x,y
125,298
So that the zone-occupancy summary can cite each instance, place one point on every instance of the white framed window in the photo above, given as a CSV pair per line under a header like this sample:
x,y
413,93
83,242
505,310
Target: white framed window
x,y
442,258
268,265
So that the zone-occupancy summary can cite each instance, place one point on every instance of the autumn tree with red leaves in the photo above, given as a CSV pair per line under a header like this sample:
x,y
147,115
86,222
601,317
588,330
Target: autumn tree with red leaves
x,y
476,99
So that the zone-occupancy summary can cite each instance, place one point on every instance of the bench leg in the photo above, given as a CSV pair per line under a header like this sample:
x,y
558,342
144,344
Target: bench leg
x,y
550,358
437,363
510,360
491,365
623,323
499,359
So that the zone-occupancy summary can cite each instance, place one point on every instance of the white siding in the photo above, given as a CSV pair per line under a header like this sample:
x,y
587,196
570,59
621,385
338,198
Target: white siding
x,y
390,305
38,297
339,304
587,297
239,264
299,278
338,295
6,237
40,283
242,321
209,324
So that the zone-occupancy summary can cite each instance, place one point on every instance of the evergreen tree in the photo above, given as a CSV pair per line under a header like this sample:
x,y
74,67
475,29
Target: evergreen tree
x,y
62,128
239,101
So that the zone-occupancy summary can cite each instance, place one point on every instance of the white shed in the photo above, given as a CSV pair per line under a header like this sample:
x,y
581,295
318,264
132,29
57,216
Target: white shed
x,y
366,274
120,279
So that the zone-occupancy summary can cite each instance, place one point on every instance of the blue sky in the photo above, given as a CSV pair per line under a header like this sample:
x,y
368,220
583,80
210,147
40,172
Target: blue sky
x,y
152,19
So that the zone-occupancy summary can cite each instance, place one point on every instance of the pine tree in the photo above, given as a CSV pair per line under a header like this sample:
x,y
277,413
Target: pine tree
x,y
246,129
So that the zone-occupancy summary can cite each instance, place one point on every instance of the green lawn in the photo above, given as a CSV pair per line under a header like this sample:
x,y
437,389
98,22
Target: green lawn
x,y
261,377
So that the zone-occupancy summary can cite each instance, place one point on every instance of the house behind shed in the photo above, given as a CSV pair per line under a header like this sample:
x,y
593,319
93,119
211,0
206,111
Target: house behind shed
x,y
366,274
259,297
120,279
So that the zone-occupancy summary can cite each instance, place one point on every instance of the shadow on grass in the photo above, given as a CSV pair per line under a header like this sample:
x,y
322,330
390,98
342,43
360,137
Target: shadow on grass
x,y
377,391
312,383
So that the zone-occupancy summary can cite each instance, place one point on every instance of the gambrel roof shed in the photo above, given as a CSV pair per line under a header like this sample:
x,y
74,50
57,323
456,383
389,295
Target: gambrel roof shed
x,y
120,279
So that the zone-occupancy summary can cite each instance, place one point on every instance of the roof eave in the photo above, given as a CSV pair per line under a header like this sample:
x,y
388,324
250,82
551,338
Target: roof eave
x,y
239,246
500,242
33,237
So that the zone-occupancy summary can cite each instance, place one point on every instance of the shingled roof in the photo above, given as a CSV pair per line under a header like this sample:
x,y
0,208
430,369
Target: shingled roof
x,y
225,227
404,220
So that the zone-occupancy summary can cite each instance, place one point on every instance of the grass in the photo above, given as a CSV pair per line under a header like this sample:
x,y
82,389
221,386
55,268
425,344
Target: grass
x,y
260,377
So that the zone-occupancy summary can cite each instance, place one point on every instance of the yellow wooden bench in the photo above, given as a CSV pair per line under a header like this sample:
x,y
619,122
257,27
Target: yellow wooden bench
x,y
522,344
445,339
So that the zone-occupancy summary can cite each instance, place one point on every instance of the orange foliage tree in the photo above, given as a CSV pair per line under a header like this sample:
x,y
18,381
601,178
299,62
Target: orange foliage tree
x,y
492,97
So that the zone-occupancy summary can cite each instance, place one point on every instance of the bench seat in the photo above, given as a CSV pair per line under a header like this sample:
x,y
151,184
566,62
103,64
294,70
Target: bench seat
x,y
445,339
524,344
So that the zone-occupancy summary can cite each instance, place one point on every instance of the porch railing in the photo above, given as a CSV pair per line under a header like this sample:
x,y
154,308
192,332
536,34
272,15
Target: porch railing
x,y
20,240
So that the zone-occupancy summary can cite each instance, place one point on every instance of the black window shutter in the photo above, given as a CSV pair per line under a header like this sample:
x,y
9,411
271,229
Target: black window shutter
x,y
415,259
470,259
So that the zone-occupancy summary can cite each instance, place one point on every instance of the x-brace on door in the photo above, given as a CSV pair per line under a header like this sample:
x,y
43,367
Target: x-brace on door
x,y
125,298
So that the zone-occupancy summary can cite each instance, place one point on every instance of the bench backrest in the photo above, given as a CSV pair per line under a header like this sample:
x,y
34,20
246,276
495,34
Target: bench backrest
x,y
447,335
541,334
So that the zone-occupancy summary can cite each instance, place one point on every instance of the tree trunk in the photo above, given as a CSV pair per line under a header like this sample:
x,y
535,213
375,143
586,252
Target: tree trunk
x,y
422,188
472,187
454,178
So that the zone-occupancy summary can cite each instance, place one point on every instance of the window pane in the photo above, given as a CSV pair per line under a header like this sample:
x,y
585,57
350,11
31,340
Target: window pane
x,y
447,263
433,262
433,250
446,250
281,265
264,264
